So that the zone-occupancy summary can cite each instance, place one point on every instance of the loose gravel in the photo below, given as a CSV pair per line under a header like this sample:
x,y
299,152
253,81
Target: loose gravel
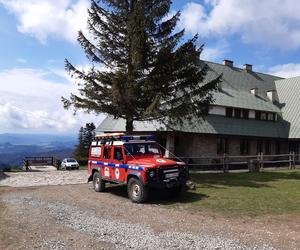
x,y
28,179
124,235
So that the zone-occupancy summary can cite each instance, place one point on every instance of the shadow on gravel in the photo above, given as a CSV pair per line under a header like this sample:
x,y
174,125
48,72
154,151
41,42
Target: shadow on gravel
x,y
160,196
166,197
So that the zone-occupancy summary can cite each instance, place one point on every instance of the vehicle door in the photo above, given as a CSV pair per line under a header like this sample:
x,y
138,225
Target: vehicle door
x,y
118,161
95,155
106,170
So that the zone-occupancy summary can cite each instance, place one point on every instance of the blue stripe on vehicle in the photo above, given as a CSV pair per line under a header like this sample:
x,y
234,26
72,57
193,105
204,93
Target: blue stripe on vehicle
x,y
125,166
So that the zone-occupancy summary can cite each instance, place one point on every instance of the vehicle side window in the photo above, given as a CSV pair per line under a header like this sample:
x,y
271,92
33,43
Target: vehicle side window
x,y
118,154
107,152
96,151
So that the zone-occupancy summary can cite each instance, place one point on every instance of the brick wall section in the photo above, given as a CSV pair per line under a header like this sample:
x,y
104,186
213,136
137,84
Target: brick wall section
x,y
234,146
193,145
253,147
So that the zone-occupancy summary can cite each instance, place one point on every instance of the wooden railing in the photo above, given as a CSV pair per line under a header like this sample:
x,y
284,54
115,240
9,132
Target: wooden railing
x,y
40,161
250,162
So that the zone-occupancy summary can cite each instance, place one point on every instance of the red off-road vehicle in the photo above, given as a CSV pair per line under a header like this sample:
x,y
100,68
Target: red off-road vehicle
x,y
135,161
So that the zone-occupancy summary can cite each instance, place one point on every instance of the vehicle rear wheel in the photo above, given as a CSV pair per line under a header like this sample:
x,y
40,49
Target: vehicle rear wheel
x,y
98,183
137,191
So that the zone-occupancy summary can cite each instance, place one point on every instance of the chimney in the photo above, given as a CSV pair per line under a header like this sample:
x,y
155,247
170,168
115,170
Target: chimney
x,y
254,91
272,95
248,67
228,63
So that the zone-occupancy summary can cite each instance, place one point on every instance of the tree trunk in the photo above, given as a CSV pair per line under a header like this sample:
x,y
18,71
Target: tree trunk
x,y
129,125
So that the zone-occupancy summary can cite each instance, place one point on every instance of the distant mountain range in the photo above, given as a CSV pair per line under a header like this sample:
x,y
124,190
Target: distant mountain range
x,y
14,147
37,139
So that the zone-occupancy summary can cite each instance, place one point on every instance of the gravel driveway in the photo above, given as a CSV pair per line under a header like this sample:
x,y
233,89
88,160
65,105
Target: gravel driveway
x,y
75,217
43,178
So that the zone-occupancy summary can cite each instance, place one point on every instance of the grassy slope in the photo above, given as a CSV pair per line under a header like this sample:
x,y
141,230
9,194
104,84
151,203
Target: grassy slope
x,y
250,194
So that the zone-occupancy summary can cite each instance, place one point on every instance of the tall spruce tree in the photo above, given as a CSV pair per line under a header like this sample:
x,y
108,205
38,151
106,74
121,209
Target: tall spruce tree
x,y
151,73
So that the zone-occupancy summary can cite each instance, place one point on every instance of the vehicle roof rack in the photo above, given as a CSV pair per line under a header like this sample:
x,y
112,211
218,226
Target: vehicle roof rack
x,y
109,135
122,137
137,138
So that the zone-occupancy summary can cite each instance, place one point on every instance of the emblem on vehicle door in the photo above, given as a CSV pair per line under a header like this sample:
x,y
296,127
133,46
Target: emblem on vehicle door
x,y
106,171
117,173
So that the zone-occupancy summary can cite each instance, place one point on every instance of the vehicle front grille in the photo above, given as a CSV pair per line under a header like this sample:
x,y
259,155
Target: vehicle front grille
x,y
169,172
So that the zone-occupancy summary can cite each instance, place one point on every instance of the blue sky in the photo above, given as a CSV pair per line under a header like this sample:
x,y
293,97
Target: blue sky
x,y
37,35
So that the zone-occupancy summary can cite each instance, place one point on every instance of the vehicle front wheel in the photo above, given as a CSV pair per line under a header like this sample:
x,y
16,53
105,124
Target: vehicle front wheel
x,y
137,191
98,183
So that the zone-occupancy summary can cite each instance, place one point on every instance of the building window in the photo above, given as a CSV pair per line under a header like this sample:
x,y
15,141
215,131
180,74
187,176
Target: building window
x,y
272,117
107,152
237,113
259,146
244,147
257,115
245,113
222,146
267,147
264,116
229,112
118,155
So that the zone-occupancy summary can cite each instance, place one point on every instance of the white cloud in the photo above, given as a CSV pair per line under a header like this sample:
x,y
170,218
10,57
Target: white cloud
x,y
286,70
215,53
30,102
21,60
269,22
47,18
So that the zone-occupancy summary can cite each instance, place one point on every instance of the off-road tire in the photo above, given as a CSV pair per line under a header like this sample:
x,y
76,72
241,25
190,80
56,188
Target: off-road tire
x,y
137,191
98,183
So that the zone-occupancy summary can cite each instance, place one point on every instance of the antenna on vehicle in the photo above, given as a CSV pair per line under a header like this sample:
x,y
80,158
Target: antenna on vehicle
x,y
171,153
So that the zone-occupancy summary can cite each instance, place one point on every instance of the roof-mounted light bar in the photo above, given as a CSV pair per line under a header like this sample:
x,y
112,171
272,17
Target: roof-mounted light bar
x,y
137,138
122,137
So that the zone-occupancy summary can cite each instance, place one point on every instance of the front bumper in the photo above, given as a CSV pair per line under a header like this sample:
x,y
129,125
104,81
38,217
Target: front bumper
x,y
162,181
71,166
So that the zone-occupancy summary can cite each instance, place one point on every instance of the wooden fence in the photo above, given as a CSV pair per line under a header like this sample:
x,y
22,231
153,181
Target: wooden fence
x,y
40,161
250,162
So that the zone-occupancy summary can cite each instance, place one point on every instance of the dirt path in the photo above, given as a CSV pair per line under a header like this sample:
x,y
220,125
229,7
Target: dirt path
x,y
76,217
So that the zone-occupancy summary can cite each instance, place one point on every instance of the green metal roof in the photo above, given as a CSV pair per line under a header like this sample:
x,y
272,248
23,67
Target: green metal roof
x,y
241,79
212,124
235,92
242,99
288,91
236,85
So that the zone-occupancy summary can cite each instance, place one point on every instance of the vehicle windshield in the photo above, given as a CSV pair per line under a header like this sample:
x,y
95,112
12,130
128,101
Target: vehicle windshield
x,y
135,149
71,160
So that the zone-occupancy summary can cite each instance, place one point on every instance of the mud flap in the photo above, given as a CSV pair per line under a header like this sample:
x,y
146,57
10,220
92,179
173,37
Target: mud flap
x,y
90,178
